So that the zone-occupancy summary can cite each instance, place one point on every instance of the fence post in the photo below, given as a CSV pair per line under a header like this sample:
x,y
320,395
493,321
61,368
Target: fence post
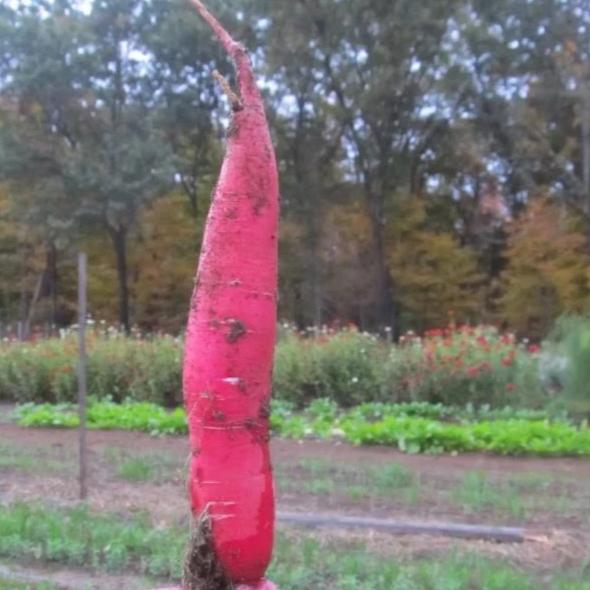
x,y
82,301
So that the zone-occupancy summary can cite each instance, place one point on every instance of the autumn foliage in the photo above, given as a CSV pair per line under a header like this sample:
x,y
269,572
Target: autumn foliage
x,y
547,271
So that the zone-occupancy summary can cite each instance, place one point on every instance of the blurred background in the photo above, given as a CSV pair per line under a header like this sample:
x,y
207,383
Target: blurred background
x,y
433,358
434,157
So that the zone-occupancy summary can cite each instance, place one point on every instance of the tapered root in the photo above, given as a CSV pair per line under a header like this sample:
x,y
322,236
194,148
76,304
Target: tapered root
x,y
225,38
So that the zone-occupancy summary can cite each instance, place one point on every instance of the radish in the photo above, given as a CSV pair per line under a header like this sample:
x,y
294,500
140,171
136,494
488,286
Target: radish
x,y
229,350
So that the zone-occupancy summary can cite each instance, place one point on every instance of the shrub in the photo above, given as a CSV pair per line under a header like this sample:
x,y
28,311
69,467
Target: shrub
x,y
567,363
344,366
465,365
455,367
118,368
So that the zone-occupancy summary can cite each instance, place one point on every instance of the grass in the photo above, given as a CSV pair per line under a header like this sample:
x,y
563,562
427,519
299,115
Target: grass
x,y
76,537
154,468
505,498
102,542
34,459
477,494
514,497
518,497
357,482
12,585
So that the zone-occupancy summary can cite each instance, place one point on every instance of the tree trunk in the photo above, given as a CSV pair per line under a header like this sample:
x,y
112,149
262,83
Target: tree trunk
x,y
386,310
386,317
48,286
119,238
52,281
23,312
316,292
313,270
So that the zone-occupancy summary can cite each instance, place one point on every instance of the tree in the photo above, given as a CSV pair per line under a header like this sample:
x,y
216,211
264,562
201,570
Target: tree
x,y
347,251
89,131
361,52
435,276
164,257
547,271
309,151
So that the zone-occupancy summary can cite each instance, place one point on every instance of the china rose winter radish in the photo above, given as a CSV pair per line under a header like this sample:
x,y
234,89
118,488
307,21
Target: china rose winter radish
x,y
229,350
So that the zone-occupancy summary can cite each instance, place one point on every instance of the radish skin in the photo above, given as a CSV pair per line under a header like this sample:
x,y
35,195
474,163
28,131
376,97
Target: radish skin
x,y
262,585
230,340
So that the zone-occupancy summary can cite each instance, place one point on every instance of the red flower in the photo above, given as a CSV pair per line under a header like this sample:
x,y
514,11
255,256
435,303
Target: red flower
x,y
534,349
434,333
510,387
473,371
507,361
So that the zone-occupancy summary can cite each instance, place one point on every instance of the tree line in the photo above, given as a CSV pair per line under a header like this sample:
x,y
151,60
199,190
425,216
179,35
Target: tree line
x,y
434,157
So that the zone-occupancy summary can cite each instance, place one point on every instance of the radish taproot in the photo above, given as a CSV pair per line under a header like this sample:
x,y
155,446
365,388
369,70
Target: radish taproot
x,y
229,350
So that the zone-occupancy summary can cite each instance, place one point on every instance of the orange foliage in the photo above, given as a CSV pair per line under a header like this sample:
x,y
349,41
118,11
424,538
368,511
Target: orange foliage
x,y
547,272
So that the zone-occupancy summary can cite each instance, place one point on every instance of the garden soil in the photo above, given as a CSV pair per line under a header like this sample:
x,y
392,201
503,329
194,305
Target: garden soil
x,y
559,541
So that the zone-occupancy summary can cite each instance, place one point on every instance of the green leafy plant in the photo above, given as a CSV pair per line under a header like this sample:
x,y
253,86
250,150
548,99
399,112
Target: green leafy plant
x,y
392,425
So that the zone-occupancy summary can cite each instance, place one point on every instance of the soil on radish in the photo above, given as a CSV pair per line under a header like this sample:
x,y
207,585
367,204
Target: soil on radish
x,y
202,569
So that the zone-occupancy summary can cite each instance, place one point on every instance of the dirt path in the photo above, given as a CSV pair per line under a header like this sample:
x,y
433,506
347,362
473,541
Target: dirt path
x,y
565,541
297,491
51,479
291,450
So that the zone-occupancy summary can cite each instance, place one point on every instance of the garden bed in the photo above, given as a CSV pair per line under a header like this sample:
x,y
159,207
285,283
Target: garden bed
x,y
130,473
411,428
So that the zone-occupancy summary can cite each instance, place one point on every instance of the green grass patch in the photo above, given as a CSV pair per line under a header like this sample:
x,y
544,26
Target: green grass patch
x,y
34,459
155,467
357,482
375,425
519,496
477,494
76,537
108,543
12,585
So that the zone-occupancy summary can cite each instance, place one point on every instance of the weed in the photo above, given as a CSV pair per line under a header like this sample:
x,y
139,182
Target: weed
x,y
320,486
155,467
477,494
34,459
392,477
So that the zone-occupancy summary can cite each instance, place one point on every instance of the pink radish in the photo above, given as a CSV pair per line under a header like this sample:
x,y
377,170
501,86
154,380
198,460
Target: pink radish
x,y
229,347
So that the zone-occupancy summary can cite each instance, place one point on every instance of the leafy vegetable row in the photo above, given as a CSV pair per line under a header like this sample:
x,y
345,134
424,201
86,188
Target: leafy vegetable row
x,y
408,427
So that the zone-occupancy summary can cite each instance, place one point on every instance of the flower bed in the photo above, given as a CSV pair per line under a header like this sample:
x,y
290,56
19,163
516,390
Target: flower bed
x,y
455,366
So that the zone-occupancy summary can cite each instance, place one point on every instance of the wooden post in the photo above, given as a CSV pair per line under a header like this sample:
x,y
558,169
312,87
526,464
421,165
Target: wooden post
x,y
82,281
585,113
